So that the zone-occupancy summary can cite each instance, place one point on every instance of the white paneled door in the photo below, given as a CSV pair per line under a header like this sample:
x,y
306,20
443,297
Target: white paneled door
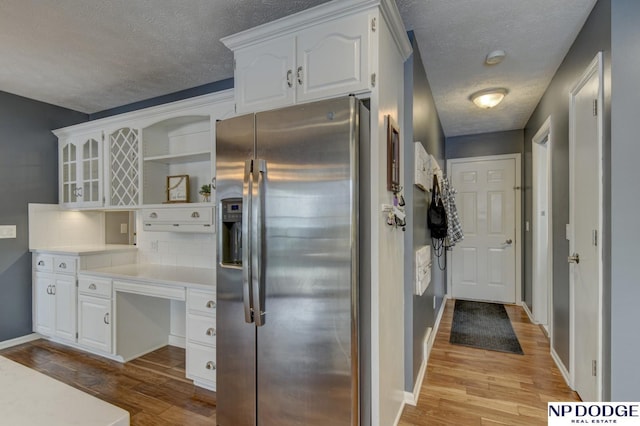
x,y
483,265
585,242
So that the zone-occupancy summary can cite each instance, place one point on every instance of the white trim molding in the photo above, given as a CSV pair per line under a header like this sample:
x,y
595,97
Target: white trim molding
x,y
19,340
596,67
561,367
429,339
518,214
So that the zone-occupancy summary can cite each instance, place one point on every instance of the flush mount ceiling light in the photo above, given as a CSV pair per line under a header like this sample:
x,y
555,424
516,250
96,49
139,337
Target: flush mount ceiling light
x,y
488,98
494,57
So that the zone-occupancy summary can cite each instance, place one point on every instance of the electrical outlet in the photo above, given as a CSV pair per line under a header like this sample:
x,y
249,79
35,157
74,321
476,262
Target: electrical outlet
x,y
123,228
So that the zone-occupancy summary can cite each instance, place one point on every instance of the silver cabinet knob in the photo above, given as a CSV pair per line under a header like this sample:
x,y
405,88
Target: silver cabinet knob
x,y
211,365
92,286
211,331
574,258
211,304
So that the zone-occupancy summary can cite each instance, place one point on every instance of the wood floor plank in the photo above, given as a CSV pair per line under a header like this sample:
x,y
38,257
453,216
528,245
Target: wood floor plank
x,y
469,386
153,388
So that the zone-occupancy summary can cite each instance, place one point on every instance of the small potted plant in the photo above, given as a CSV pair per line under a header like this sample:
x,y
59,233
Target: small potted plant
x,y
205,191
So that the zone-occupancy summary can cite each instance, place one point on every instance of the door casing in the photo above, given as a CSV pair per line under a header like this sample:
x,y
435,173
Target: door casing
x,y
596,66
518,212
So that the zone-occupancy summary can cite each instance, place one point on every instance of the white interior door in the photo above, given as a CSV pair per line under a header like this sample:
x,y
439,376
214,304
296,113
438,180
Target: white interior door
x,y
585,219
483,265
542,248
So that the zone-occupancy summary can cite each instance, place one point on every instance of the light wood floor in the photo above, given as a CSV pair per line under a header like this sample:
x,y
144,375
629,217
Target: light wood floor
x,y
468,386
153,388
463,386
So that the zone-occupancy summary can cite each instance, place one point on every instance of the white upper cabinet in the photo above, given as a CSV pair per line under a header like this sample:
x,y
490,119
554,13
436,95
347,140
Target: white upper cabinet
x,y
264,75
81,171
333,59
141,149
124,167
317,54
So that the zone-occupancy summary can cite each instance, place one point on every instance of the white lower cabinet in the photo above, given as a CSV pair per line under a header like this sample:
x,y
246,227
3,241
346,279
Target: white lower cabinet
x,y
94,314
54,305
201,337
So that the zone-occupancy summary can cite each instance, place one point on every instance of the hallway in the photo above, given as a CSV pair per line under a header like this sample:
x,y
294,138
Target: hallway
x,y
468,386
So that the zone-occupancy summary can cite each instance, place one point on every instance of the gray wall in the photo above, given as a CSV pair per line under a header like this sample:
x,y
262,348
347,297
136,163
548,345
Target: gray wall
x,y
421,124
594,37
624,203
28,174
496,143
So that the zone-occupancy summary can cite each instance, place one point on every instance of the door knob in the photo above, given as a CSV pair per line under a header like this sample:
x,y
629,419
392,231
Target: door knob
x,y
574,258
508,241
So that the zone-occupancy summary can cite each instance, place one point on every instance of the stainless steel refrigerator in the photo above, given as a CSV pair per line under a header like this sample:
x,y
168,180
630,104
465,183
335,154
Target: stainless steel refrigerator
x,y
287,271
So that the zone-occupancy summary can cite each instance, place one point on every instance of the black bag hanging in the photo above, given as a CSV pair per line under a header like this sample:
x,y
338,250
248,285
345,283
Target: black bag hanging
x,y
436,215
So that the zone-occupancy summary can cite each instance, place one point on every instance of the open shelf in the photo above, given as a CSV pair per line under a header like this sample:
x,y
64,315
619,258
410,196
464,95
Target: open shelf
x,y
180,158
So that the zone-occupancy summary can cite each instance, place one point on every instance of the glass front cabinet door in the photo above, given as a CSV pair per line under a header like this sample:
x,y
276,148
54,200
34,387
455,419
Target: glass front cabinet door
x,y
81,171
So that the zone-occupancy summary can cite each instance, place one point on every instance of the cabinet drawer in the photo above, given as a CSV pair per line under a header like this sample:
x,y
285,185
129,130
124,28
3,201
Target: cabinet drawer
x,y
178,215
202,301
201,329
65,264
94,287
43,263
201,362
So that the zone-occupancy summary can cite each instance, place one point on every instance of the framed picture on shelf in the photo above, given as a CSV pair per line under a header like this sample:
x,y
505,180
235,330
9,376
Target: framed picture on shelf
x,y
178,189
393,155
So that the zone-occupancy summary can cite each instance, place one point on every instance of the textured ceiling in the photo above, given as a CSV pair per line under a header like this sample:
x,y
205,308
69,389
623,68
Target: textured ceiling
x,y
95,55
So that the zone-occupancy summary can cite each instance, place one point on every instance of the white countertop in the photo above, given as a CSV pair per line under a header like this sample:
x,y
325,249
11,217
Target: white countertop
x,y
78,250
29,398
158,274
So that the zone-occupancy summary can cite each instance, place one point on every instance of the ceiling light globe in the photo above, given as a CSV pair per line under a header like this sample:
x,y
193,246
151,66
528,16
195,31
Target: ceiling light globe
x,y
488,98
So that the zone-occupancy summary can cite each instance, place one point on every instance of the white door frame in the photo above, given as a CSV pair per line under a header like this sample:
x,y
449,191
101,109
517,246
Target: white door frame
x,y
518,206
544,133
596,66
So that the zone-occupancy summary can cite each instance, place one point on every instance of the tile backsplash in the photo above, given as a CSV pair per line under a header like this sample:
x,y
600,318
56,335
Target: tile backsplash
x,y
51,226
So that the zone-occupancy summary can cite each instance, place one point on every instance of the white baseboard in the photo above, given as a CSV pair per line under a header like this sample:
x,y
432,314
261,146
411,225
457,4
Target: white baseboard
x,y
528,312
429,339
399,415
561,367
178,341
20,340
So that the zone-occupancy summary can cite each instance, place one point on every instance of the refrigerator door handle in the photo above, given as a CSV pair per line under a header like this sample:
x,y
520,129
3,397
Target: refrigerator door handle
x,y
257,224
247,189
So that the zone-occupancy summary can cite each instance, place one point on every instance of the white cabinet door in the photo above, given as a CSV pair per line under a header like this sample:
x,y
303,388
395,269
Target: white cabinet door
x,y
64,289
94,323
124,167
43,304
265,75
68,165
333,59
80,164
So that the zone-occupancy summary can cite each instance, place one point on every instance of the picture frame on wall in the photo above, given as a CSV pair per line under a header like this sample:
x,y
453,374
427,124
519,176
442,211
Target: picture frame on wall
x,y
393,155
178,189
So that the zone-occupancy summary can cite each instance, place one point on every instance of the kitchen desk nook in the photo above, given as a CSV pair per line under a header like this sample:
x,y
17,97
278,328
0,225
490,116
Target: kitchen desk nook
x,y
152,306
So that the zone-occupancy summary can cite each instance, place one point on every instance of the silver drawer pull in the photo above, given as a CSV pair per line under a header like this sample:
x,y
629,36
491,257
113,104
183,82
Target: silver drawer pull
x,y
211,304
62,265
153,215
41,263
195,215
211,365
92,286
106,318
211,331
